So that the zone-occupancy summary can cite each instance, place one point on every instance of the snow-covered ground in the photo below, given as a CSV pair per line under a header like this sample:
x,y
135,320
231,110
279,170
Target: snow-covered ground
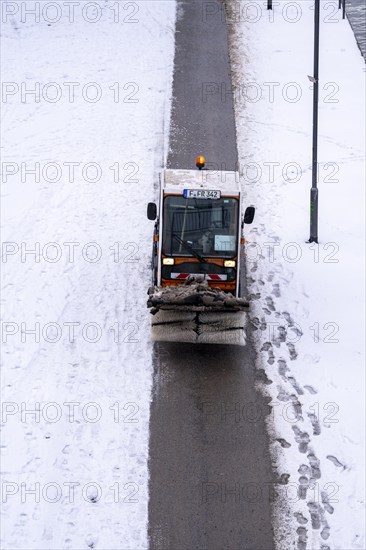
x,y
75,472
308,300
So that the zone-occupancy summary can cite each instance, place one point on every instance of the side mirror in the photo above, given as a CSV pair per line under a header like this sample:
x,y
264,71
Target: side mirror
x,y
249,214
151,211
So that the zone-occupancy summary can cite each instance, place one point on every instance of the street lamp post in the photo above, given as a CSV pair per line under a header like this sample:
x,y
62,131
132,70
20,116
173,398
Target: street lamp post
x,y
315,79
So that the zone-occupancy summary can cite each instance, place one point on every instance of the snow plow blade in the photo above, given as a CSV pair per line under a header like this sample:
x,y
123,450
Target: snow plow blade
x,y
197,313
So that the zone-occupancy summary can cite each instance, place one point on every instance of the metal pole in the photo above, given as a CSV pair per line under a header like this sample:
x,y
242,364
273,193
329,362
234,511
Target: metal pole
x,y
339,4
269,4
344,9
314,187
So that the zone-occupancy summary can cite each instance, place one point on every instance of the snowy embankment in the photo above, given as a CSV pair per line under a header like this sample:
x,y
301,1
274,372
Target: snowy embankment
x,y
86,93
307,300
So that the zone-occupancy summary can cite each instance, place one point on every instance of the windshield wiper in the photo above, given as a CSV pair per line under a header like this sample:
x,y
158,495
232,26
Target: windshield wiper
x,y
190,248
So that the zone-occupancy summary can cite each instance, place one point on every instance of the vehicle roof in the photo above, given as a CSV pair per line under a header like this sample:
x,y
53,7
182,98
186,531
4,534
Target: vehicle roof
x,y
175,181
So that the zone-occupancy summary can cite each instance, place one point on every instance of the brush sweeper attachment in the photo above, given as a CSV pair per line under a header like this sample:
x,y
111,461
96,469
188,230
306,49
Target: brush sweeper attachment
x,y
197,313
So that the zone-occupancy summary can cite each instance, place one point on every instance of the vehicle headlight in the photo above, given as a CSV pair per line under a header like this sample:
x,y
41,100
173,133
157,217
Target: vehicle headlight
x,y
168,261
229,263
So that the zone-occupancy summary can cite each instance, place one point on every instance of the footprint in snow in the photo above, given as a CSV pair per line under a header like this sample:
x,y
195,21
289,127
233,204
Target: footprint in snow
x,y
315,466
310,389
302,438
325,533
285,444
336,462
304,469
283,395
292,351
266,346
297,407
288,318
281,336
325,501
263,325
301,541
282,369
315,423
257,324
315,514
271,358
270,304
283,480
303,487
295,385
276,290
300,518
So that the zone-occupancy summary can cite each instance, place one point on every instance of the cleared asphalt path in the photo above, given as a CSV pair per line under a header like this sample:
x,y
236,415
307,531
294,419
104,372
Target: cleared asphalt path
x,y
202,111
211,480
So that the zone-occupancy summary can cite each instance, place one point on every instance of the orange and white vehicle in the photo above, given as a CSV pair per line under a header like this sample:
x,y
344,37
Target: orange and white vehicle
x,y
197,251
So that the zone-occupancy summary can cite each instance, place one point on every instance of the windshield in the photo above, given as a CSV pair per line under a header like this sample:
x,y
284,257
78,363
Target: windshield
x,y
200,227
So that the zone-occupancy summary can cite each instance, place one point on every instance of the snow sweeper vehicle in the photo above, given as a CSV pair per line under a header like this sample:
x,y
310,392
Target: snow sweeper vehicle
x,y
198,257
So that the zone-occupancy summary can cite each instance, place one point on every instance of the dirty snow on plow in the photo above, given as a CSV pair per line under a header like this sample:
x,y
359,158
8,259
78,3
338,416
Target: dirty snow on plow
x,y
83,107
196,313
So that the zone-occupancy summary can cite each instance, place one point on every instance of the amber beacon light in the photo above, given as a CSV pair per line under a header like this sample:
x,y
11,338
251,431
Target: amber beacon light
x,y
200,162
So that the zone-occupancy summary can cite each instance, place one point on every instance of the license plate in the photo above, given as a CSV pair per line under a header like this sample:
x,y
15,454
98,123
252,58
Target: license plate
x,y
201,194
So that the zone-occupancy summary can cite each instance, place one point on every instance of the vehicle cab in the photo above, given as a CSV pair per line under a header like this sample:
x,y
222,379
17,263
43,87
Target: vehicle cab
x,y
198,229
